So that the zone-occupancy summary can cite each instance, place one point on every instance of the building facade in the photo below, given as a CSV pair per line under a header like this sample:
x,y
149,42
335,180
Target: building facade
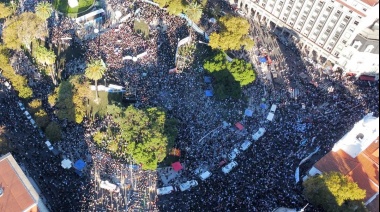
x,y
322,28
17,192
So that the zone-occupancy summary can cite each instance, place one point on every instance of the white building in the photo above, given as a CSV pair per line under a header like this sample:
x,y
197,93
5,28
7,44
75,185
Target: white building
x,y
323,28
362,56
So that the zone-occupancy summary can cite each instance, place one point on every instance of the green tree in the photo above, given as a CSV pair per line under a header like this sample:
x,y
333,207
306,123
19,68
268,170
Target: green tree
x,y
142,135
46,58
34,105
241,71
21,30
175,7
70,99
194,11
19,82
233,35
44,10
162,3
41,118
333,191
53,132
95,71
5,11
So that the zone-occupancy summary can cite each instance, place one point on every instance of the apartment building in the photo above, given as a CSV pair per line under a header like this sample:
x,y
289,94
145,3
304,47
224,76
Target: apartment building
x,y
322,27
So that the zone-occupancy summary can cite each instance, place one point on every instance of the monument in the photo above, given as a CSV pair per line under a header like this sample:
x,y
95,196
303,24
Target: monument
x,y
73,3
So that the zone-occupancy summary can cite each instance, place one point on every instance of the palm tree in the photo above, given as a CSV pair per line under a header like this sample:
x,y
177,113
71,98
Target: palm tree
x,y
95,71
46,58
194,11
44,10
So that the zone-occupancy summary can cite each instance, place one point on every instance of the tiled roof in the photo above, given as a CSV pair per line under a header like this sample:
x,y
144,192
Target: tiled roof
x,y
371,2
364,169
16,196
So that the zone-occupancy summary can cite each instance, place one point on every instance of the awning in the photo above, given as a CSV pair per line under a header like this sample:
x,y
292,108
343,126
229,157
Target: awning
x,y
248,112
177,166
207,79
79,165
367,78
262,60
239,126
66,163
209,93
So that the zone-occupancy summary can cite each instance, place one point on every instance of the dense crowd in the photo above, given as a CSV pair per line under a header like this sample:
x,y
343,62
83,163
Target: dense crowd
x,y
268,163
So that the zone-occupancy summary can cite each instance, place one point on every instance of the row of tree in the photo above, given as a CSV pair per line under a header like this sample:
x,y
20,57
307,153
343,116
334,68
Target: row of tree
x,y
51,128
19,32
192,9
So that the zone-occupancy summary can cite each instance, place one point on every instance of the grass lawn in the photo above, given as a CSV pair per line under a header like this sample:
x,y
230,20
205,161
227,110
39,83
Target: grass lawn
x,y
141,27
105,99
63,6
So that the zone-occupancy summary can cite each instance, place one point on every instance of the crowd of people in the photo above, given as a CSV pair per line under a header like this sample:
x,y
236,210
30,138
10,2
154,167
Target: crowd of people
x,y
252,186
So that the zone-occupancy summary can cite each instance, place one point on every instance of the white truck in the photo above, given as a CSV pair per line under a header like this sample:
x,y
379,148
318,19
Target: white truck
x,y
258,134
109,186
244,146
165,190
205,175
227,168
187,185
235,152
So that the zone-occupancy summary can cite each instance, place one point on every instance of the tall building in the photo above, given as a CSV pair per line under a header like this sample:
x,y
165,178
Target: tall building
x,y
322,27
16,191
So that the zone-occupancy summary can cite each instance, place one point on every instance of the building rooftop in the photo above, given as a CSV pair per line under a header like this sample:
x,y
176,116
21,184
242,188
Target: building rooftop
x,y
370,2
18,193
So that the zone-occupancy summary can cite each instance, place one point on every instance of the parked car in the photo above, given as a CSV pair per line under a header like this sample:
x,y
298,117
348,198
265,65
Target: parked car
x,y
165,190
205,175
187,185
233,154
245,145
226,169
258,134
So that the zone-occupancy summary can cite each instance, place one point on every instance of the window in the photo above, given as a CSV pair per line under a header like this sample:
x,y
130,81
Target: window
x,y
336,54
369,48
364,9
357,44
344,41
356,23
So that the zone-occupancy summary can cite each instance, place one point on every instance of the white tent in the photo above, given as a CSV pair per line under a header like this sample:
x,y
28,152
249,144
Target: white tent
x,y
66,163
270,116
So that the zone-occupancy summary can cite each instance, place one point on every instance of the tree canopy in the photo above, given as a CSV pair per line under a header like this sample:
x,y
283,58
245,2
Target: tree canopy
x,y
241,71
194,11
70,99
5,11
334,192
21,30
20,83
53,132
233,35
95,71
145,135
44,10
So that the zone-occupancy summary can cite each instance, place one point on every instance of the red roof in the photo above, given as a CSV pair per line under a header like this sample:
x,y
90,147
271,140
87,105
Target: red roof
x,y
367,78
176,166
371,2
239,126
364,169
16,196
